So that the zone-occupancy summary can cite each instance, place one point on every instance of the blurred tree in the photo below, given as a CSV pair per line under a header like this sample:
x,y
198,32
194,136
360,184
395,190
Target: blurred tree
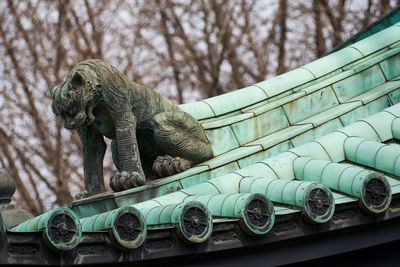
x,y
185,49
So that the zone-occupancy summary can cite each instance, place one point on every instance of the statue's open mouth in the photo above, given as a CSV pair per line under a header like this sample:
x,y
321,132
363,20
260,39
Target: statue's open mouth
x,y
78,119
74,122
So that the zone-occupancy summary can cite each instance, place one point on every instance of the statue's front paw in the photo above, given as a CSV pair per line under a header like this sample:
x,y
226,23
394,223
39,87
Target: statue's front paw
x,y
165,166
125,180
81,195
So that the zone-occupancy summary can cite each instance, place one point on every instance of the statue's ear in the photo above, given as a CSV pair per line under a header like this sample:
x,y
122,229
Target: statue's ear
x,y
52,91
77,81
55,95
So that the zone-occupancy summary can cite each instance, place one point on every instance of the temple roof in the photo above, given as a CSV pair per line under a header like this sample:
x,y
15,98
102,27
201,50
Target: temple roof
x,y
290,153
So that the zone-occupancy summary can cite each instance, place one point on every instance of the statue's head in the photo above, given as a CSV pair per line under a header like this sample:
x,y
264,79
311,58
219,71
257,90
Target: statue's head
x,y
74,99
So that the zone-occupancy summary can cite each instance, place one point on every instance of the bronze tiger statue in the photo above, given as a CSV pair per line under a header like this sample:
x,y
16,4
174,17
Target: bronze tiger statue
x,y
151,136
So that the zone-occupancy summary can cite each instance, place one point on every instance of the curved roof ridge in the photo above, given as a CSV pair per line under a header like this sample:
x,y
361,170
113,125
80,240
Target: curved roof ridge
x,y
316,70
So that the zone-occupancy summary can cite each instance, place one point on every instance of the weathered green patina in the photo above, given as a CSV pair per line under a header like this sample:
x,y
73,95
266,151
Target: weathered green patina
x,y
312,152
255,211
371,188
192,220
99,101
126,226
60,228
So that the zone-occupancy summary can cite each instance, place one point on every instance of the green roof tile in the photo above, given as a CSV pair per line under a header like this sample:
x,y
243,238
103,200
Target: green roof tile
x,y
394,110
390,67
281,164
274,104
257,170
230,167
222,140
321,130
373,154
331,113
333,145
175,214
258,156
54,224
394,97
280,136
311,149
351,180
358,83
326,82
259,126
382,56
381,122
291,192
240,206
333,61
117,222
195,179
285,82
232,155
396,129
236,99
227,121
378,41
364,110
360,129
377,92
310,105
198,110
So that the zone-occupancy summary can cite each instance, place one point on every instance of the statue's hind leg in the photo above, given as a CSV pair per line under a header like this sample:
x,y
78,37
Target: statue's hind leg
x,y
183,141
